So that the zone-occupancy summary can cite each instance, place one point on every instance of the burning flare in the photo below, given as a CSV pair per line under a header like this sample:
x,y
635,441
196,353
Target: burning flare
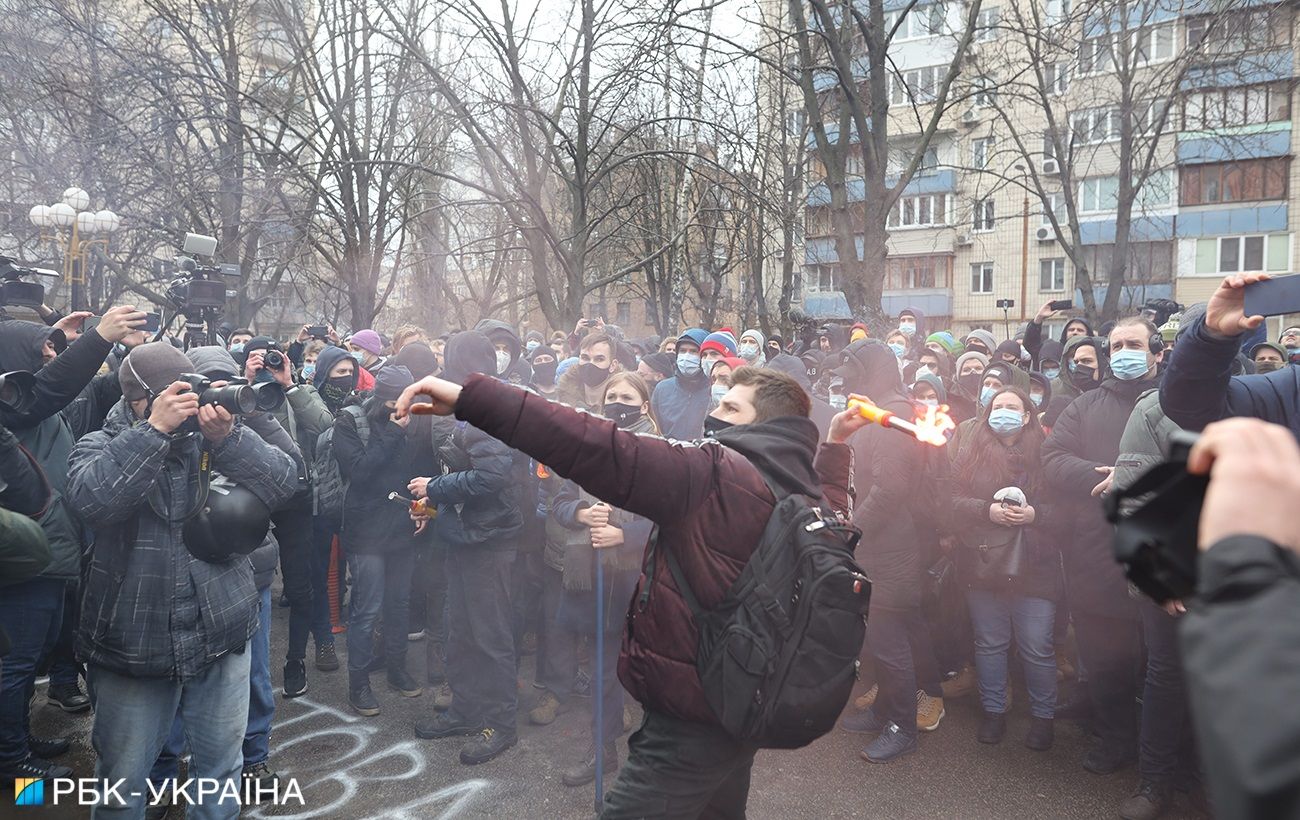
x,y
934,427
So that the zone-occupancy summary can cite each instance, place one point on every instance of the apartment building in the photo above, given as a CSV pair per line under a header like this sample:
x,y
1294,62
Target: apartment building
x,y
1192,102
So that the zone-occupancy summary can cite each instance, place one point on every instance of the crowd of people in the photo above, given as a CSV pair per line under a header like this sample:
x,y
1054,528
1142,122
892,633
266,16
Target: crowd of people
x,y
481,537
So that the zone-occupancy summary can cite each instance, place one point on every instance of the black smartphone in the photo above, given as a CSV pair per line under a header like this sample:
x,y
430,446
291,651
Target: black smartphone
x,y
1273,297
90,323
1062,304
152,321
318,331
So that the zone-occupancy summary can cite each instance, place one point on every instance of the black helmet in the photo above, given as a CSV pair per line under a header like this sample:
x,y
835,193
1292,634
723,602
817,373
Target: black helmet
x,y
232,521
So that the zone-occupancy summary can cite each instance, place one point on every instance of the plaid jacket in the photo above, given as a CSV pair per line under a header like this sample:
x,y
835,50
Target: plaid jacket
x,y
150,609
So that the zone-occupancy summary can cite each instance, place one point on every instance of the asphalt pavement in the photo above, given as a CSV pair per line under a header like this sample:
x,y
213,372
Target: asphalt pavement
x,y
347,766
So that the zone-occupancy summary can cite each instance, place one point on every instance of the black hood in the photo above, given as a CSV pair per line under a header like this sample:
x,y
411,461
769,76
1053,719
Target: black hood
x,y
418,358
21,343
1051,351
870,368
500,332
918,338
468,352
781,449
838,336
1071,321
792,367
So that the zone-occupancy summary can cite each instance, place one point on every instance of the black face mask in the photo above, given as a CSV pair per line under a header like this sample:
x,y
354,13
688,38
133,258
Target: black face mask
x,y
336,390
624,415
1082,376
544,373
591,375
713,426
970,383
1267,367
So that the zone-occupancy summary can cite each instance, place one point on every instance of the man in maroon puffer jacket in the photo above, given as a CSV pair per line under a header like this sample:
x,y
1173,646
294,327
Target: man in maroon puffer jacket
x,y
711,500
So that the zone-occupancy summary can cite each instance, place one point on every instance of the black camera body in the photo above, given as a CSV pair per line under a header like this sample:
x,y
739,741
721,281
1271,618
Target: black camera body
x,y
14,291
273,359
236,399
1156,541
17,389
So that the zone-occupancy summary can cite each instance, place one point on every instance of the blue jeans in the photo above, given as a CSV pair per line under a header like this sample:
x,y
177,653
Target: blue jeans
x,y
379,583
994,617
904,663
322,538
1165,748
30,613
134,716
261,706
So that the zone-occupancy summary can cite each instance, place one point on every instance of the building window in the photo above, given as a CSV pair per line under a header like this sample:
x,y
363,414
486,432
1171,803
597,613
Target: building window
x,y
986,91
1055,205
983,214
1246,181
922,21
1239,31
917,85
1157,191
623,314
986,24
1097,54
1098,194
981,150
1230,107
919,211
1241,254
1057,10
1095,125
1051,275
929,164
1153,44
1056,78
823,278
908,272
981,277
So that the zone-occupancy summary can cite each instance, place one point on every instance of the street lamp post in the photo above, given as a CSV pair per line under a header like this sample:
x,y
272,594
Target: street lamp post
x,y
71,213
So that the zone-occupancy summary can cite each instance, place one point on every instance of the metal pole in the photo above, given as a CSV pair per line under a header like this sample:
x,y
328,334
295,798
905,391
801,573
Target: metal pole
x,y
598,697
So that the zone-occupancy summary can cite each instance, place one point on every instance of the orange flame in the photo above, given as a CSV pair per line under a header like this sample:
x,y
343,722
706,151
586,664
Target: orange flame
x,y
935,426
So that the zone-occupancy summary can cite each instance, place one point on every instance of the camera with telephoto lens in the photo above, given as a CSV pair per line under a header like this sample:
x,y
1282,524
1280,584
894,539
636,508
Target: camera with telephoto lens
x,y
1156,531
269,394
197,287
17,389
236,399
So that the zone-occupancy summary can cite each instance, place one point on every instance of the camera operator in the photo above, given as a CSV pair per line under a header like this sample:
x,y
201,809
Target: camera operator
x,y
31,612
304,415
162,629
1241,635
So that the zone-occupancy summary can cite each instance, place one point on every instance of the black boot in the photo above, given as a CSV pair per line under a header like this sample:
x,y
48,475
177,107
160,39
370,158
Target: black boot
x,y
401,680
363,701
585,772
68,697
295,678
992,728
48,747
1041,734
486,745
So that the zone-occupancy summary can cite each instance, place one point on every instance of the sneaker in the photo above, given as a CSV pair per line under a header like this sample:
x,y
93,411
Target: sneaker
x,y
415,636
326,659
547,709
867,699
1149,802
68,697
929,711
1106,760
363,701
442,697
261,774
48,747
444,725
582,684
863,723
405,685
961,684
1041,734
486,745
295,679
34,766
890,745
585,772
992,728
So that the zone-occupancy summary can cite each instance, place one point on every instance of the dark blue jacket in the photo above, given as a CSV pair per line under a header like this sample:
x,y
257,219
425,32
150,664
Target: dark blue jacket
x,y
1198,387
679,405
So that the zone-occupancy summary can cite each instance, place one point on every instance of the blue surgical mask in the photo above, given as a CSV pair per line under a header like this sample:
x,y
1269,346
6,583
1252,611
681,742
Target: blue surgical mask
x,y
533,345
1004,421
707,365
1129,364
897,348
1050,373
748,351
717,392
688,364
925,370
986,396
1037,399
309,371
358,355
907,328
238,347
930,402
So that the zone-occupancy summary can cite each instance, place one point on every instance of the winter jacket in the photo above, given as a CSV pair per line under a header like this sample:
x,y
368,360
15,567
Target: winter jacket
x,y
888,476
569,389
479,498
679,406
1034,336
520,371
1087,436
1063,385
267,557
149,608
1145,442
24,553
1240,642
87,412
1198,387
385,463
709,498
22,483
44,431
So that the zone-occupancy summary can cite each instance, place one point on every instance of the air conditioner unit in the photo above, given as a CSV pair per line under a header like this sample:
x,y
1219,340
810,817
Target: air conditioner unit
x,y
964,239
970,117
1051,166
1046,234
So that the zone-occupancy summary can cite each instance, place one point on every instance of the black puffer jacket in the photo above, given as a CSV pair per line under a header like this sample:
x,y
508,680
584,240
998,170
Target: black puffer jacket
x,y
887,476
1087,436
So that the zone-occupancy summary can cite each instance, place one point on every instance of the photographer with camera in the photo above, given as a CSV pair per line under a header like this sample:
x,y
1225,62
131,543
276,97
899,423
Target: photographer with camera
x,y
1240,638
304,415
167,613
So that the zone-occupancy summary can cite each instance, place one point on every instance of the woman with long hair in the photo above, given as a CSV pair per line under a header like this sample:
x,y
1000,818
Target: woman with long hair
x,y
1007,558
591,532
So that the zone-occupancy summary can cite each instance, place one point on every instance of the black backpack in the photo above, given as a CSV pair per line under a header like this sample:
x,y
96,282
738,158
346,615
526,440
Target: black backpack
x,y
779,656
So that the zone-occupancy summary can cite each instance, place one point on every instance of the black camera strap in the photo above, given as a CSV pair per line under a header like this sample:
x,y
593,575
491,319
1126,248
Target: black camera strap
x,y
205,479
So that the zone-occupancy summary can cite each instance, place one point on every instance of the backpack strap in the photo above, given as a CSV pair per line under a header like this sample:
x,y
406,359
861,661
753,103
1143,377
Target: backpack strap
x,y
683,586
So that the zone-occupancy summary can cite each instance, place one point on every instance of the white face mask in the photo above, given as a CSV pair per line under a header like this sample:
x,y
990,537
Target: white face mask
x,y
503,362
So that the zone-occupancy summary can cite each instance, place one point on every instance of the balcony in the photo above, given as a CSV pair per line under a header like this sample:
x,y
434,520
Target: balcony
x,y
937,182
